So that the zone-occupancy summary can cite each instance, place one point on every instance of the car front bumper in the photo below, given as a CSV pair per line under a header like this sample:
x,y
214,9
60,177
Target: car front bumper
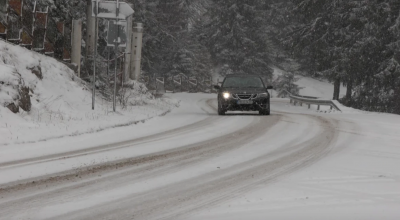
x,y
232,104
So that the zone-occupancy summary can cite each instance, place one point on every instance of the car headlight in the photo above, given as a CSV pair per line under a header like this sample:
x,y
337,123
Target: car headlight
x,y
263,95
226,95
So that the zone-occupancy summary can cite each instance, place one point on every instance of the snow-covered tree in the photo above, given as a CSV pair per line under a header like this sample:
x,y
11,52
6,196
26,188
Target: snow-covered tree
x,y
235,37
351,42
170,46
286,83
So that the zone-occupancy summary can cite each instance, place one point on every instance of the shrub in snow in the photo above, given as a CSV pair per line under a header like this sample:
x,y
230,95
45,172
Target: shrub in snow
x,y
285,82
134,93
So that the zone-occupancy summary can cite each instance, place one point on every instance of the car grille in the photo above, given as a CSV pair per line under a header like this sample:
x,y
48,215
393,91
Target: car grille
x,y
246,96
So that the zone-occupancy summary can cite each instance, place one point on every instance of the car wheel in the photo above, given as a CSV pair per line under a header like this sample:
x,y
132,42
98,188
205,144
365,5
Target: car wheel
x,y
221,110
265,112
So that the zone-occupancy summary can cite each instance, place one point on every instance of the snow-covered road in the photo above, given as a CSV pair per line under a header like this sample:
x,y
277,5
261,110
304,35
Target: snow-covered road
x,y
194,164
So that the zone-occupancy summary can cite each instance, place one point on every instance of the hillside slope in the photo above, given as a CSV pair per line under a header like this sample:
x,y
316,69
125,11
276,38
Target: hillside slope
x,y
60,102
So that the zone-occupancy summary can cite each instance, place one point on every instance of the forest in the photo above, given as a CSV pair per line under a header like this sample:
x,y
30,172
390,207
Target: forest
x,y
349,42
354,43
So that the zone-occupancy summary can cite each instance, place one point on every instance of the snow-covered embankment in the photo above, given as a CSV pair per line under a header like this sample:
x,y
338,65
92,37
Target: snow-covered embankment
x,y
60,103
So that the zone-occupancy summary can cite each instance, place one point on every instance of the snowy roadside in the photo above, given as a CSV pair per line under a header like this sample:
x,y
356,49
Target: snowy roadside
x,y
18,129
60,104
358,179
323,109
320,89
313,87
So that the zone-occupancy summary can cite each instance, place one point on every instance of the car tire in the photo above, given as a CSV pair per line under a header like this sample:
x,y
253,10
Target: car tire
x,y
265,112
221,110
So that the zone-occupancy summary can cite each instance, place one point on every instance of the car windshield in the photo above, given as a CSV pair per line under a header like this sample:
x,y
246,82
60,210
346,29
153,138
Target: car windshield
x,y
243,82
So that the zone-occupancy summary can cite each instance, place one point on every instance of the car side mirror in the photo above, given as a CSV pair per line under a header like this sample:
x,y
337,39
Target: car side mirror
x,y
270,87
217,87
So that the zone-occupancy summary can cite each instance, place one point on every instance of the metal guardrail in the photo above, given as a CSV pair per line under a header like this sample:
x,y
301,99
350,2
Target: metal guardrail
x,y
311,101
307,97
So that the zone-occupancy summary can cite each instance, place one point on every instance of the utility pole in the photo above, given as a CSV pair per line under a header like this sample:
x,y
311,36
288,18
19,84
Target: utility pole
x,y
90,26
116,59
94,56
108,66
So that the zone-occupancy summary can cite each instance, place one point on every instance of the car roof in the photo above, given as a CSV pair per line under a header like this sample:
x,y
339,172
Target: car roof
x,y
241,75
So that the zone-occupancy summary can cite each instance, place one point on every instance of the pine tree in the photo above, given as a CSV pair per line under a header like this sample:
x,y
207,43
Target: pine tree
x,y
235,38
351,42
286,83
170,47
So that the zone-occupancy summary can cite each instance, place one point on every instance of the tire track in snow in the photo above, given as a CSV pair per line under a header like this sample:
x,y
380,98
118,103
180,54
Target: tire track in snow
x,y
160,162
206,190
173,201
195,193
108,147
55,177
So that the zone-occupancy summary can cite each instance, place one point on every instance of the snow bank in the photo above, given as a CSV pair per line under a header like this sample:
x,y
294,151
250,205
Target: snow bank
x,y
317,88
61,102
313,87
346,109
320,89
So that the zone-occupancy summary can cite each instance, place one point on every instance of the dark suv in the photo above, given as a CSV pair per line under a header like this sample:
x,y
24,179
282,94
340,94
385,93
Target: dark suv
x,y
243,93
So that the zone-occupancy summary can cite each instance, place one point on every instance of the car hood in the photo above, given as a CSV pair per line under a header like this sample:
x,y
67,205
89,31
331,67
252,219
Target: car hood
x,y
244,90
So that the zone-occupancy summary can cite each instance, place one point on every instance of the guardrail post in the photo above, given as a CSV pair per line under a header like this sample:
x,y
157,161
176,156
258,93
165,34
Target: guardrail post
x,y
331,107
301,104
309,106
318,107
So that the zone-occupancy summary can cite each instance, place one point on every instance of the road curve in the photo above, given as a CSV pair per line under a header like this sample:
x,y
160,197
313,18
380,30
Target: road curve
x,y
169,184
